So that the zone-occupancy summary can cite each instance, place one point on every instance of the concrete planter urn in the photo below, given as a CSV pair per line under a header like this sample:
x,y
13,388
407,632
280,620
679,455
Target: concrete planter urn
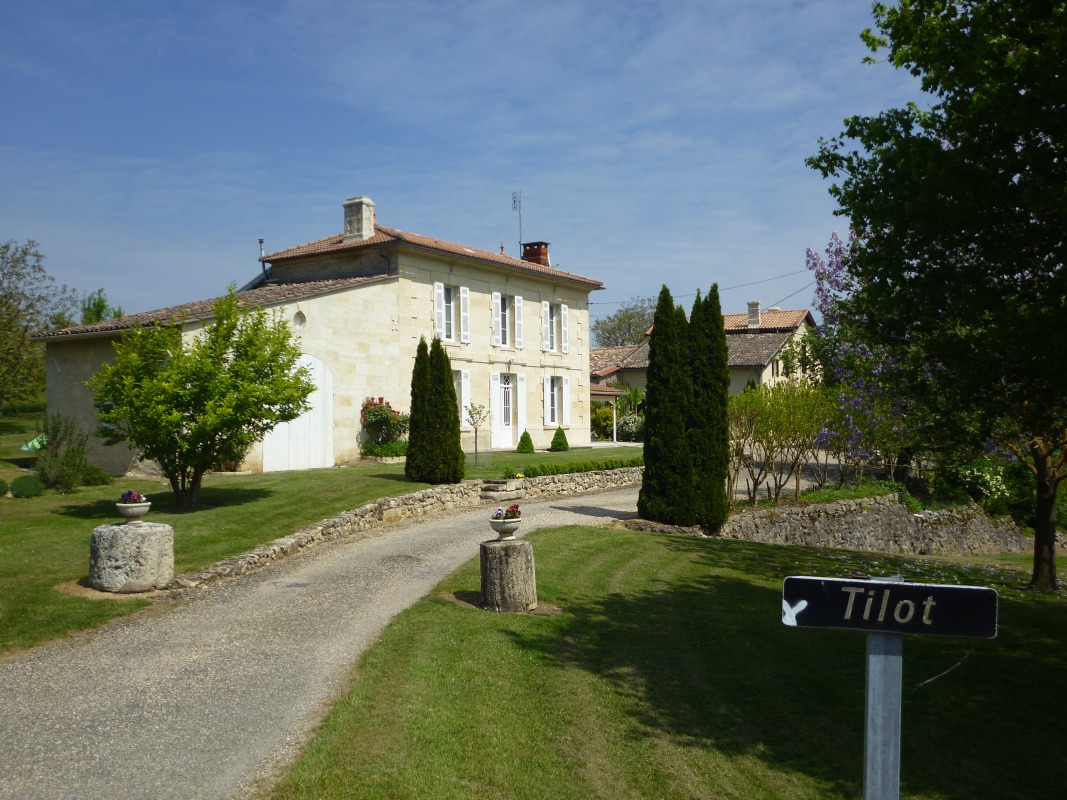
x,y
133,512
505,528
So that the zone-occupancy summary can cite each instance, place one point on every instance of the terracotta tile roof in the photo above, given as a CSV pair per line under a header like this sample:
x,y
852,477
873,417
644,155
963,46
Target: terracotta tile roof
x,y
755,349
394,237
743,350
770,320
266,295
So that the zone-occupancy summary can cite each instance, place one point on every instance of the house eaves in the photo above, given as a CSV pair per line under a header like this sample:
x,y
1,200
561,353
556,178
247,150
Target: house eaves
x,y
390,238
267,295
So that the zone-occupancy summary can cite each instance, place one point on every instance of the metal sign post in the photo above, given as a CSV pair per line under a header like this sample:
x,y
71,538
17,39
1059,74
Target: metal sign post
x,y
886,609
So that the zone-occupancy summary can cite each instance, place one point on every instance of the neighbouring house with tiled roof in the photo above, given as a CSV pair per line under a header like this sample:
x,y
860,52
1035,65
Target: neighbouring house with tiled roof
x,y
516,331
754,341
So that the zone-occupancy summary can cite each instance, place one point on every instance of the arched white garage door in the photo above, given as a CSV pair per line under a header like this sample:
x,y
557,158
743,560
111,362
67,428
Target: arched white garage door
x,y
307,441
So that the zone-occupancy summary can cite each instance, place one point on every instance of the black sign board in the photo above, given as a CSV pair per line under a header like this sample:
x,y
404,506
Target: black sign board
x,y
888,607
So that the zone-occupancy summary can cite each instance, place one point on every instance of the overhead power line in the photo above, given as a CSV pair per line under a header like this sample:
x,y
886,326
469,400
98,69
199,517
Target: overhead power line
x,y
726,289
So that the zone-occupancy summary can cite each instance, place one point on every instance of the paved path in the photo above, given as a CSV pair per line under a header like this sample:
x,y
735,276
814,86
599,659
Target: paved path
x,y
201,698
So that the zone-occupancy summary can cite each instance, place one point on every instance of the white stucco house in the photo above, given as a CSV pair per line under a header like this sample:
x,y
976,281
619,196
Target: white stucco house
x,y
516,331
755,342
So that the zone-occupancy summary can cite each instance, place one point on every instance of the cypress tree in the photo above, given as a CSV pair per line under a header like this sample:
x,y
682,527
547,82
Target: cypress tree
x,y
709,428
448,462
667,491
420,439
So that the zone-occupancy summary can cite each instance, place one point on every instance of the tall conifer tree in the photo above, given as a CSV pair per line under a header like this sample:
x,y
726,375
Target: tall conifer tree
x,y
667,490
420,438
709,428
448,451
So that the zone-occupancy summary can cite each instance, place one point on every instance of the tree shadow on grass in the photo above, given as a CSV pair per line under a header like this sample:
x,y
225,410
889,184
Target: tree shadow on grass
x,y
163,502
706,661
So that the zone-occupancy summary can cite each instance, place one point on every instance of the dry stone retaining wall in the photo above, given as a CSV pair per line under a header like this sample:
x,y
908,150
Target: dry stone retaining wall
x,y
879,524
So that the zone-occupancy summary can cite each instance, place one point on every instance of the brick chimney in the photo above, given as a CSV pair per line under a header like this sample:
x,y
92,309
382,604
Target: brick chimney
x,y
359,219
753,315
536,253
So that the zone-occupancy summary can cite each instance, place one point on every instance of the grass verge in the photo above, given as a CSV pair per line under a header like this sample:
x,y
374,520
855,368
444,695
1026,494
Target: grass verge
x,y
668,674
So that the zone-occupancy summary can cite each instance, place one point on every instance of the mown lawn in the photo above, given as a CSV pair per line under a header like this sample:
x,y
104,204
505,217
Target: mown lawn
x,y
44,541
668,674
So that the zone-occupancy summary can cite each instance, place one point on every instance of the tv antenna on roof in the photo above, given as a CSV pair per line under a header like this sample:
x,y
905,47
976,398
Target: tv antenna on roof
x,y
516,205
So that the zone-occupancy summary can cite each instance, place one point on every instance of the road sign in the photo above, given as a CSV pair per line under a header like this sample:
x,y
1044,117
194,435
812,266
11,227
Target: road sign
x,y
881,607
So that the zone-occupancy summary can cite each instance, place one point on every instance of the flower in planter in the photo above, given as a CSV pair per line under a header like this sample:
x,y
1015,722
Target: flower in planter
x,y
511,512
133,497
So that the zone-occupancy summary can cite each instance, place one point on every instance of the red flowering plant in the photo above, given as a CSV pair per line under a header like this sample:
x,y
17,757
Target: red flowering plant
x,y
381,422
511,512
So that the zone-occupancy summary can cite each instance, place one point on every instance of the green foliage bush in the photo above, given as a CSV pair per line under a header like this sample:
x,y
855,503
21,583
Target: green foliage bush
x,y
387,450
559,442
61,462
525,443
3,487
27,486
548,468
96,476
630,428
600,422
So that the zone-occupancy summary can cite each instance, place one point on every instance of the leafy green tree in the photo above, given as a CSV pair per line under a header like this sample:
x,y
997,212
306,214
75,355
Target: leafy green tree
x,y
960,214
95,308
31,301
626,326
420,433
709,433
449,462
667,488
186,404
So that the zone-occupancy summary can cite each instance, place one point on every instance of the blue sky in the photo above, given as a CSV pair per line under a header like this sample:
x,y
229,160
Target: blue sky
x,y
147,145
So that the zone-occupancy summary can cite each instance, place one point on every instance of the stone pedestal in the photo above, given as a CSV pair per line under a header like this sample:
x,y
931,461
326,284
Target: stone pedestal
x,y
508,580
131,558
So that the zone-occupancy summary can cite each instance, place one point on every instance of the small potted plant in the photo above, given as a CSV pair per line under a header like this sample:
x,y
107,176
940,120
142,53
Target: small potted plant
x,y
133,506
505,521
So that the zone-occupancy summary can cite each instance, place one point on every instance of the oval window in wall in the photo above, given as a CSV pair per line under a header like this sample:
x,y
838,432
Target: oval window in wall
x,y
299,320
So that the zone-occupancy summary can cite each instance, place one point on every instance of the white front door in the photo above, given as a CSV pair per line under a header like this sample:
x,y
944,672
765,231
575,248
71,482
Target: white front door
x,y
502,413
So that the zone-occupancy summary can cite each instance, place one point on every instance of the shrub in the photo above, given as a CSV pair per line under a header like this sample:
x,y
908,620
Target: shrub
x,y
600,422
27,486
525,443
548,468
62,461
559,442
381,422
631,428
3,487
387,450
96,476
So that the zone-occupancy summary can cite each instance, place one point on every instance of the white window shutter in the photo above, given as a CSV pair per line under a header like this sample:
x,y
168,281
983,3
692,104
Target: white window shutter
x,y
548,400
566,400
439,310
520,404
496,319
544,325
494,399
464,314
464,397
518,322
563,344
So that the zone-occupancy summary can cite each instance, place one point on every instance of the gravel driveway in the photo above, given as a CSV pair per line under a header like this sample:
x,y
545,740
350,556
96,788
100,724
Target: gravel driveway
x,y
204,697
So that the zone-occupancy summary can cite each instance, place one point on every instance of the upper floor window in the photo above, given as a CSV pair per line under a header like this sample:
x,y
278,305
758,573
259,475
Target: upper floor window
x,y
507,320
451,312
554,327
